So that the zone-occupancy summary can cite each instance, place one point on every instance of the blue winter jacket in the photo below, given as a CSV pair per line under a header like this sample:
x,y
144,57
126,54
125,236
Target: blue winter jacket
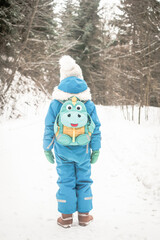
x,y
70,153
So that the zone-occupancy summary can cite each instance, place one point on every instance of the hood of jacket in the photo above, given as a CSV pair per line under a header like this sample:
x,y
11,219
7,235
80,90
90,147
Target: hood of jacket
x,y
72,86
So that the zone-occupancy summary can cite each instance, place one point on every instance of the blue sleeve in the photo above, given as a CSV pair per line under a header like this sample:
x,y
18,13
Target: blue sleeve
x,y
53,110
95,143
96,136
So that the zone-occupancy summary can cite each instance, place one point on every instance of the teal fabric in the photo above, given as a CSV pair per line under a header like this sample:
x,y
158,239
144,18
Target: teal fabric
x,y
73,162
72,85
73,114
49,155
75,153
94,156
74,183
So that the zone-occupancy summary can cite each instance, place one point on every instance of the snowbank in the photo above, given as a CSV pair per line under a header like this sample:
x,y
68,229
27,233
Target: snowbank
x,y
23,99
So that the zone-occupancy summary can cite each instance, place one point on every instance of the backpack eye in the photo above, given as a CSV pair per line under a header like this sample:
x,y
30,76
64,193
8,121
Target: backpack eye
x,y
79,107
69,107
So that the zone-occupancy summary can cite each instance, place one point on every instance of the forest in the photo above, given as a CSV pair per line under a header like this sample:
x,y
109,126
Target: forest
x,y
119,55
117,45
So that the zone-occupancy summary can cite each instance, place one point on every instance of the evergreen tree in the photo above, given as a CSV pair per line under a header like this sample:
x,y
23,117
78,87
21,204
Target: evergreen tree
x,y
40,53
67,17
138,32
28,45
85,29
11,16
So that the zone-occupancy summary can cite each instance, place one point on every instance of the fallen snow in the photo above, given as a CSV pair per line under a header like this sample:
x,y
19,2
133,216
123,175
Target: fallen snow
x,y
22,99
126,178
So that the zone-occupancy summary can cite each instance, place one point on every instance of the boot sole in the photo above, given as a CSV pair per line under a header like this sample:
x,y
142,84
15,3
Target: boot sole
x,y
84,224
64,226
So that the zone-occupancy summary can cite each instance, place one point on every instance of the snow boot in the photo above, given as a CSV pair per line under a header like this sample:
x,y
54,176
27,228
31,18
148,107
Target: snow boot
x,y
65,220
84,219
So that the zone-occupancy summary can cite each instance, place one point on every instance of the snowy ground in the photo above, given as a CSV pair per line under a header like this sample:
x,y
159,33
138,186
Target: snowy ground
x,y
126,185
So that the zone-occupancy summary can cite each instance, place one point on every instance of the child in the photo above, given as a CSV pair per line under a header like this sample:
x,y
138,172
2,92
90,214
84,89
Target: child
x,y
73,162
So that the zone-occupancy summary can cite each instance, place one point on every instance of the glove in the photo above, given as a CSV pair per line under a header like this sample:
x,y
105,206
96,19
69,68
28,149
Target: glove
x,y
49,155
94,156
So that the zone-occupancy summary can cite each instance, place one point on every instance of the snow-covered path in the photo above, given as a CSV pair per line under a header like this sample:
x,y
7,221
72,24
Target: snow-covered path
x,y
126,185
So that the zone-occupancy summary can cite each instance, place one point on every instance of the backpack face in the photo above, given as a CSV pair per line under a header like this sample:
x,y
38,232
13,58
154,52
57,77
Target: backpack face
x,y
73,125
73,114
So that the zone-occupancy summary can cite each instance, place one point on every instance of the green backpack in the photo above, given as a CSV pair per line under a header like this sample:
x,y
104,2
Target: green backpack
x,y
73,125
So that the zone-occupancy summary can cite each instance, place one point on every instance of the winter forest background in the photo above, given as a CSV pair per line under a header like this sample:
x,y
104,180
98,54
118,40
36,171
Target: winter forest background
x,y
117,47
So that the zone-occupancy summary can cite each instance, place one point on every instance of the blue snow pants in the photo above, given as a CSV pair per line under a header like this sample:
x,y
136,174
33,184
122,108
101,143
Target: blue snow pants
x,y
74,183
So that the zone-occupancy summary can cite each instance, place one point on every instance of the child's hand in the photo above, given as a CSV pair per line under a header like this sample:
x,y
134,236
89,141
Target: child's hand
x,y
94,156
49,155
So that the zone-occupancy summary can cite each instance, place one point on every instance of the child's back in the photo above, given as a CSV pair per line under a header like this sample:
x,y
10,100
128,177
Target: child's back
x,y
73,161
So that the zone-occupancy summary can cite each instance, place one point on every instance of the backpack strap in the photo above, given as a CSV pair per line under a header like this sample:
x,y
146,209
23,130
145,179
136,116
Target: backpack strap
x,y
51,142
91,125
56,126
61,101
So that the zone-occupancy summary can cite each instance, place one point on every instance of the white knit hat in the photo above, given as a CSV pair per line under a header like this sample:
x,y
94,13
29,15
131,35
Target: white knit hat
x,y
68,68
71,81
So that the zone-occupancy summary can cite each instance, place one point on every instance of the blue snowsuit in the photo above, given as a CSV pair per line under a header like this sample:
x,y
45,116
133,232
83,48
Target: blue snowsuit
x,y
73,163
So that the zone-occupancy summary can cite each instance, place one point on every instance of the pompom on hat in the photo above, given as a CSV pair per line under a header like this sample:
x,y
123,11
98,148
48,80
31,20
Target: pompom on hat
x,y
69,68
71,81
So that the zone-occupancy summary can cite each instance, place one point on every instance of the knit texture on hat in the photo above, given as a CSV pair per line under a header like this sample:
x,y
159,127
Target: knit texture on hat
x,y
68,68
71,81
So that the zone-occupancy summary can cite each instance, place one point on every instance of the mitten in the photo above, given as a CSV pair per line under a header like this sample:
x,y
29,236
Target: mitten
x,y
94,156
49,155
